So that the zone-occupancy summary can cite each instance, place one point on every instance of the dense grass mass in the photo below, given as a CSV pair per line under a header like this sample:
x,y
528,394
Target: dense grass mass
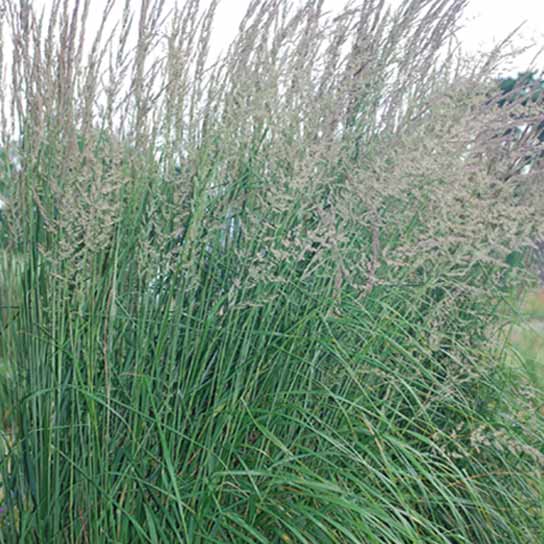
x,y
261,299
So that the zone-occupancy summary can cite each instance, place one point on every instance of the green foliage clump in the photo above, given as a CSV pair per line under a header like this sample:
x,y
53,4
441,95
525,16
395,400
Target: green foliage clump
x,y
254,304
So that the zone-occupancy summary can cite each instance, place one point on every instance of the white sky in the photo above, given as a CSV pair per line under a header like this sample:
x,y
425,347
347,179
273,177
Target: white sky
x,y
489,21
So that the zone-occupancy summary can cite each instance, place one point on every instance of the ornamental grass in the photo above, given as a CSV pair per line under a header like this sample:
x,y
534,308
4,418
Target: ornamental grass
x,y
259,296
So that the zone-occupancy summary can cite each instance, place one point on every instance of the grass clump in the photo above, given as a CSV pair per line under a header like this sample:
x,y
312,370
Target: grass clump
x,y
258,298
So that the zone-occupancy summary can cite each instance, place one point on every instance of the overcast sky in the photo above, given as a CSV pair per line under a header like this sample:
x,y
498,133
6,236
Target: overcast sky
x,y
489,21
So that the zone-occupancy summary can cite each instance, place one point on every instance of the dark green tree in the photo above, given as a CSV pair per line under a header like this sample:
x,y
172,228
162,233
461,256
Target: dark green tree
x,y
526,90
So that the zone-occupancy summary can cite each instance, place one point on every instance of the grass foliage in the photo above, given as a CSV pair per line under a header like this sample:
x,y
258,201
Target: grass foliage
x,y
257,299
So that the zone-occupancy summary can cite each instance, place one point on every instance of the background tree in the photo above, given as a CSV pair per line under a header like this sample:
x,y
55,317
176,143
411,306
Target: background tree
x,y
523,95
